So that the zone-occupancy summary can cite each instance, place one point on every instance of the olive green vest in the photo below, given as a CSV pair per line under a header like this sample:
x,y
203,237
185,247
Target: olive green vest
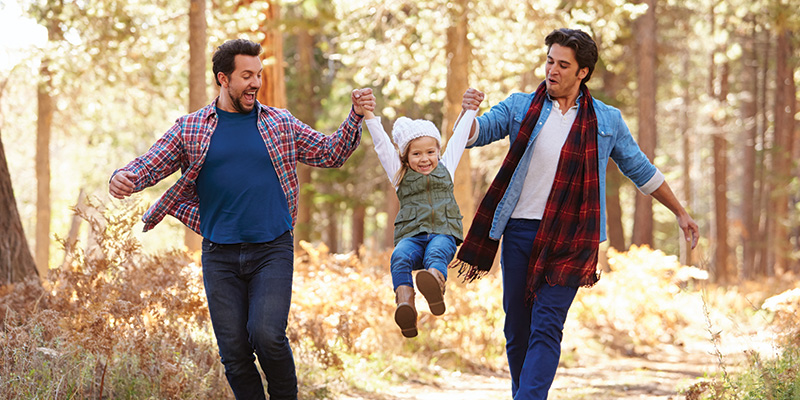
x,y
427,205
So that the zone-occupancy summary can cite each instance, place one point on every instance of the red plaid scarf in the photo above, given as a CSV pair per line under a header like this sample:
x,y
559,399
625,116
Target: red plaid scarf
x,y
566,245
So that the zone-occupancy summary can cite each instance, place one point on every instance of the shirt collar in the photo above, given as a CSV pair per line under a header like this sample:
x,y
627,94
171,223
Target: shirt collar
x,y
577,99
212,109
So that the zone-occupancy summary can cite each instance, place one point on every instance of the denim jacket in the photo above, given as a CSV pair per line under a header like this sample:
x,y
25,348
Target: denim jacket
x,y
613,140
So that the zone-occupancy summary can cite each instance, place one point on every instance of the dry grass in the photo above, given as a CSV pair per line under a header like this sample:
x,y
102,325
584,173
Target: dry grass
x,y
112,323
117,323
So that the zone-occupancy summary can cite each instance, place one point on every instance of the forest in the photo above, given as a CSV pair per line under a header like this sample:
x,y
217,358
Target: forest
x,y
92,307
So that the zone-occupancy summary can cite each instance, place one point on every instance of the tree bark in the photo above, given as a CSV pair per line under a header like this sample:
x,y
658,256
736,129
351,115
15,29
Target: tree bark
x,y
458,59
784,98
74,229
359,216
198,95
722,249
392,208
16,261
763,159
273,87
306,112
332,229
646,53
749,115
616,232
614,179
686,251
719,92
43,133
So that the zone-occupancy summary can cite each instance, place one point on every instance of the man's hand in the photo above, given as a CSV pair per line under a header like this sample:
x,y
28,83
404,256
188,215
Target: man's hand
x,y
690,230
122,184
472,99
362,99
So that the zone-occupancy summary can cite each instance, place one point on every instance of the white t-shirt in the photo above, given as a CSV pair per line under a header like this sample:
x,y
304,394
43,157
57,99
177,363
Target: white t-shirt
x,y
544,162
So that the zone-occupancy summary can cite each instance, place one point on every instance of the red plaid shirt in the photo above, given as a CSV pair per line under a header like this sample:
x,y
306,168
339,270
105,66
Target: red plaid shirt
x,y
185,146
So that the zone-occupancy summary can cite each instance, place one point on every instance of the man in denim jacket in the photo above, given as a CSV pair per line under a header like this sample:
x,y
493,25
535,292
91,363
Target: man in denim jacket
x,y
533,328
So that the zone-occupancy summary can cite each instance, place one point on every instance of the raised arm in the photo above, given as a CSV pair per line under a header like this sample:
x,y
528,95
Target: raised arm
x,y
387,154
471,99
457,143
318,150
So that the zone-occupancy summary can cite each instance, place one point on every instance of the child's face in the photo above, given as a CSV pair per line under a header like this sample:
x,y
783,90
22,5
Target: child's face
x,y
423,154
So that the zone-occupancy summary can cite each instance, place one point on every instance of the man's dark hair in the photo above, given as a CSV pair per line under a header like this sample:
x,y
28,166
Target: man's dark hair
x,y
576,39
224,57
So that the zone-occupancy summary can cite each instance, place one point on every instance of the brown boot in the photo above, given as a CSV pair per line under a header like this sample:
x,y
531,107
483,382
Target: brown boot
x,y
406,313
430,283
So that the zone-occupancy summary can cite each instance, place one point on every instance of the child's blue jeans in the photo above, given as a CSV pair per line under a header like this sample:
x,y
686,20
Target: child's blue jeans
x,y
422,251
533,334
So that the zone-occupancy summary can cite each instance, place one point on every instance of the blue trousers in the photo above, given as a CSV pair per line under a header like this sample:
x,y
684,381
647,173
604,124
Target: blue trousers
x,y
418,252
249,290
533,334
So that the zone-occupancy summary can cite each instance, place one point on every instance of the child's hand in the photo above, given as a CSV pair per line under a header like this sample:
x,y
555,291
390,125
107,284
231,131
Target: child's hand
x,y
362,99
472,99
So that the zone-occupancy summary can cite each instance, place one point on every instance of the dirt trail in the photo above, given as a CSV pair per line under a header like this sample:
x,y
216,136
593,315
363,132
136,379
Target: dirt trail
x,y
659,376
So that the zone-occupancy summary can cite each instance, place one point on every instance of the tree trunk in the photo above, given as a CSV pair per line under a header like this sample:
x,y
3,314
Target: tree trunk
x,y
646,53
616,232
614,179
359,216
749,111
198,95
458,59
332,230
722,248
273,87
306,112
43,133
763,159
392,208
74,229
16,261
784,98
719,92
685,249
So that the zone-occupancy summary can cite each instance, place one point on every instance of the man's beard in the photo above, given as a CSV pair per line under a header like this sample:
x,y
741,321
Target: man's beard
x,y
239,107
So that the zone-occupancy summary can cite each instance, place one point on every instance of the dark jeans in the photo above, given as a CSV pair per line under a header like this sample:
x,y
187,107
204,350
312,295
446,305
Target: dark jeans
x,y
421,251
249,290
533,334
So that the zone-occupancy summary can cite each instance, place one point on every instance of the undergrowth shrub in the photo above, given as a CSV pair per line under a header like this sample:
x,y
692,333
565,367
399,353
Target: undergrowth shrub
x,y
771,376
119,323
343,320
111,323
642,302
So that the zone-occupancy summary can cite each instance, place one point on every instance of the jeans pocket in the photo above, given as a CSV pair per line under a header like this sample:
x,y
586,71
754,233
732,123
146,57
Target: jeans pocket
x,y
209,246
284,241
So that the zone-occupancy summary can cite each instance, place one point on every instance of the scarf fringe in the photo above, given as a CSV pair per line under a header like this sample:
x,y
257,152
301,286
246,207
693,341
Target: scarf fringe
x,y
530,297
467,271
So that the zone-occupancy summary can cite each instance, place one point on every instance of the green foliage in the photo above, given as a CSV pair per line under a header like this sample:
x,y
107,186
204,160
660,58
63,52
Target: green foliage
x,y
777,378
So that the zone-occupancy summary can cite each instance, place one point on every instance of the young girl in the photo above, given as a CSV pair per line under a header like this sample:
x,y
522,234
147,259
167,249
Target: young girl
x,y
428,226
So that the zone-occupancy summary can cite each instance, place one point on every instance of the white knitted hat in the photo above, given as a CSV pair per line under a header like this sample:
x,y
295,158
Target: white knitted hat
x,y
406,129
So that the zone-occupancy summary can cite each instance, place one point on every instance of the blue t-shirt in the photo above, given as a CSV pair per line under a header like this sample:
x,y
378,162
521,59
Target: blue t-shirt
x,y
241,199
